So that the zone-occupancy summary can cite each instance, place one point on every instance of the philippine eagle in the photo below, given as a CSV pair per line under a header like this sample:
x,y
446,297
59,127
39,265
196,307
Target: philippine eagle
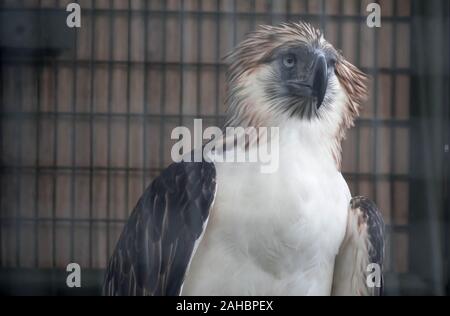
x,y
209,228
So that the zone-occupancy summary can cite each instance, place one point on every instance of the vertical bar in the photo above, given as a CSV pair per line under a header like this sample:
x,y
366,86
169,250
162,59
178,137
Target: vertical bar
x,y
217,63
144,123
374,126
288,9
322,15
393,89
339,26
199,56
127,137
446,184
19,97
272,13
375,152
91,130
181,68
253,15
2,150
163,87
38,130
234,22
55,155
357,180
73,144
109,104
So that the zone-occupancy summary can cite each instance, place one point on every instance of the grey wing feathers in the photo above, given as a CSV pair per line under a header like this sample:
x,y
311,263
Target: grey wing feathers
x,y
375,226
156,245
362,247
372,219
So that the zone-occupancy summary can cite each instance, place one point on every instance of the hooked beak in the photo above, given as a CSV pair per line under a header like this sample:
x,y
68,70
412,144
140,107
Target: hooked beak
x,y
314,85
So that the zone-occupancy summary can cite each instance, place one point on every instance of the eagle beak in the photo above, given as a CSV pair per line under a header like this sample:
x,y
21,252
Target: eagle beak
x,y
320,79
314,85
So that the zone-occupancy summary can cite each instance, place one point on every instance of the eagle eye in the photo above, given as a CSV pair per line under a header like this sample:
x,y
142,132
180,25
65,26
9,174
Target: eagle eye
x,y
331,63
289,61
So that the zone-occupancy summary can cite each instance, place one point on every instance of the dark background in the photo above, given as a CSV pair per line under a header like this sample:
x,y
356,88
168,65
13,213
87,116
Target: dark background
x,y
86,116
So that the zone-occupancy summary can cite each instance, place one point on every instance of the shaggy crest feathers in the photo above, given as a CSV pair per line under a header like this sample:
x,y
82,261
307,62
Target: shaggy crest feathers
x,y
354,82
259,44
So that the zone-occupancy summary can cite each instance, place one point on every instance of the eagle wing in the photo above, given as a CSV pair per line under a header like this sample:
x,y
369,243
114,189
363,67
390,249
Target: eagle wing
x,y
156,246
361,254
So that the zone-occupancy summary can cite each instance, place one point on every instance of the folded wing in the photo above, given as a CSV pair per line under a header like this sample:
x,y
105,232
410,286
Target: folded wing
x,y
156,246
359,264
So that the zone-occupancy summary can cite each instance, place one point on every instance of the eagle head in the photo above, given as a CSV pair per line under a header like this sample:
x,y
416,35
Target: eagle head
x,y
291,73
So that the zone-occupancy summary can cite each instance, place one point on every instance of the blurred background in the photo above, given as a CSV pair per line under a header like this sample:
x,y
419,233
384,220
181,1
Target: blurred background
x,y
86,116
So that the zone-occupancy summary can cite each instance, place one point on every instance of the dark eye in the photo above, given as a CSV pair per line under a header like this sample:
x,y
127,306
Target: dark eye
x,y
289,61
331,62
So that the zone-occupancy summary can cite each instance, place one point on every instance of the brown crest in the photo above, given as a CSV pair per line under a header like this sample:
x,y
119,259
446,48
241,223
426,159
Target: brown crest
x,y
354,83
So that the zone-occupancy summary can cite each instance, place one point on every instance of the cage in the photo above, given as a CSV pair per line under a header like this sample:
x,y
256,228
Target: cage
x,y
87,115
